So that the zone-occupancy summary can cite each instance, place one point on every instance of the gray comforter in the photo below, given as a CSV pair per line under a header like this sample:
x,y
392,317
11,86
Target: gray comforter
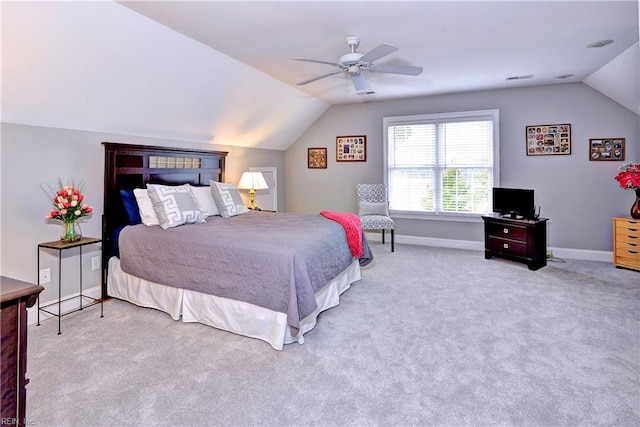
x,y
272,260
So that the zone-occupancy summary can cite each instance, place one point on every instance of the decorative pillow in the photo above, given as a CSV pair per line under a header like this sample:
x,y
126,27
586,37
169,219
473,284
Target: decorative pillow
x,y
204,200
131,206
145,207
174,205
367,208
227,199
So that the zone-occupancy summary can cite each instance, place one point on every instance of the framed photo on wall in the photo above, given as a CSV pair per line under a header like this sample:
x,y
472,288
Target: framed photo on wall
x,y
545,140
606,149
351,148
317,158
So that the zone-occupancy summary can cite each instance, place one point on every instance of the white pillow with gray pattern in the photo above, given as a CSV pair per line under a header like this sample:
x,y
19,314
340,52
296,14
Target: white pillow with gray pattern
x,y
204,200
174,205
227,199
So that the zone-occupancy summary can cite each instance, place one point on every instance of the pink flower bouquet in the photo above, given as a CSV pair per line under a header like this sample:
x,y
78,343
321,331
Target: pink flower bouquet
x,y
68,203
629,176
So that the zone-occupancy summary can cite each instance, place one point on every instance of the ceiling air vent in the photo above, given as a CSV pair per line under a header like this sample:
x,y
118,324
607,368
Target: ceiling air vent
x,y
519,77
600,43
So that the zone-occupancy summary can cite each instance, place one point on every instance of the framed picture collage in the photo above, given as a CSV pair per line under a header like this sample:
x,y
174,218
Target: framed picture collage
x,y
544,140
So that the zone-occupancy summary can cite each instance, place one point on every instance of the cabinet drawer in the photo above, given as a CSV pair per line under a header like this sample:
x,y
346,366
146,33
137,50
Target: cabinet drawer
x,y
627,251
622,261
508,231
628,231
633,223
505,246
632,245
628,239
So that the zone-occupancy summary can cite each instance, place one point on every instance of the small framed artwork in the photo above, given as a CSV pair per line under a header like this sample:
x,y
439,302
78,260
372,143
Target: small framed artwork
x,y
317,158
544,140
606,149
351,148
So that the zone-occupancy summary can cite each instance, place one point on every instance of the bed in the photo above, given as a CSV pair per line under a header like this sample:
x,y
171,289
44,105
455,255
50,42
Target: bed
x,y
263,275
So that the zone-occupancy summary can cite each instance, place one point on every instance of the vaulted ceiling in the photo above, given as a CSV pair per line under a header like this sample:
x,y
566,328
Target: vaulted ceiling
x,y
461,45
223,72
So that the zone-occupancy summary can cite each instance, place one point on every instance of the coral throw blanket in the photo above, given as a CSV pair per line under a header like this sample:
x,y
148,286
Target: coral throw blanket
x,y
352,227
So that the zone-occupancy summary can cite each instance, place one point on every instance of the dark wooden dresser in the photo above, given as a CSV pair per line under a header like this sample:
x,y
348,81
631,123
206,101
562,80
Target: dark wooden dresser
x,y
15,297
521,240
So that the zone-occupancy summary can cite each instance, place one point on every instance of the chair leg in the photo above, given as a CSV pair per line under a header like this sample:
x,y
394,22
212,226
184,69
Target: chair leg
x,y
383,236
392,241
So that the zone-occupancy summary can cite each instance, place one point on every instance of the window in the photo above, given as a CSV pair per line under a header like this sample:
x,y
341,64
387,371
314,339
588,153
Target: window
x,y
441,164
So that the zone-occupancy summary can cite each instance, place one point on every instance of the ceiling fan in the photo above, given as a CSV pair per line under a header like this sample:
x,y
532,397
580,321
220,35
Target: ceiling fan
x,y
353,64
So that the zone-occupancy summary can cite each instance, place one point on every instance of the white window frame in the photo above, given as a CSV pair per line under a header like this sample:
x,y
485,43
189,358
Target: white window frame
x,y
417,119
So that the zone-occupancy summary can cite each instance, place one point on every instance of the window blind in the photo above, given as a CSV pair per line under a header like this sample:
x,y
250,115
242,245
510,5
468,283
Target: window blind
x,y
441,164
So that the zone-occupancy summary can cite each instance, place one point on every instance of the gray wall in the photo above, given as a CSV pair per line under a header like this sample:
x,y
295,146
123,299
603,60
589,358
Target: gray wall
x,y
579,196
31,156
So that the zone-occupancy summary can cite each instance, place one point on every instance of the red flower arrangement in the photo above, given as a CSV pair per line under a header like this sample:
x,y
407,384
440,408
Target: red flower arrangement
x,y
629,176
68,202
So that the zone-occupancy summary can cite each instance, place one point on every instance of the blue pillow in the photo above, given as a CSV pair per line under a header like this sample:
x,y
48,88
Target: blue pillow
x,y
131,206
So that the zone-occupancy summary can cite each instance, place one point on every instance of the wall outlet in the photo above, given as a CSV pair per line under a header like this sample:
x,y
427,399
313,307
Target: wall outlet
x,y
549,254
45,276
95,263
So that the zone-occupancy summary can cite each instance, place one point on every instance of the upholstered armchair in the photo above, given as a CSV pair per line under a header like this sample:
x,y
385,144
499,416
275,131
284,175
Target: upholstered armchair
x,y
373,209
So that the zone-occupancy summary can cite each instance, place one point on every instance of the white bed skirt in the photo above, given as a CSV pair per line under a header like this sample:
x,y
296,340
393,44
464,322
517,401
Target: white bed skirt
x,y
230,315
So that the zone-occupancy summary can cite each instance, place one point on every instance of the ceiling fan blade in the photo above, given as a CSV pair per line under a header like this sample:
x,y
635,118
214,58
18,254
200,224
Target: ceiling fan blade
x,y
317,61
383,50
396,69
361,84
319,77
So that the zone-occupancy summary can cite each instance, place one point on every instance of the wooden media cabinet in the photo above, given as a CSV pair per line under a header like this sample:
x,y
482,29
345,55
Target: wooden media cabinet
x,y
521,240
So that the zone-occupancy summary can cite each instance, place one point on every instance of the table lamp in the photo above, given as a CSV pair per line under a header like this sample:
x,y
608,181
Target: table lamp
x,y
252,181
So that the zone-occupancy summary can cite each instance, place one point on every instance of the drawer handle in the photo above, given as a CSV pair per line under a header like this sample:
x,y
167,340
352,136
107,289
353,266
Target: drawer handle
x,y
633,252
505,245
505,230
633,229
632,237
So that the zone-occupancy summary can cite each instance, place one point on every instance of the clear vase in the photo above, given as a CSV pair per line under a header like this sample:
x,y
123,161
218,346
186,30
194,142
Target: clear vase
x,y
70,232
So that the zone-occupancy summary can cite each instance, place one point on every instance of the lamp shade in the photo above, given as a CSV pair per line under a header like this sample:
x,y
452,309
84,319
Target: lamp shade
x,y
252,181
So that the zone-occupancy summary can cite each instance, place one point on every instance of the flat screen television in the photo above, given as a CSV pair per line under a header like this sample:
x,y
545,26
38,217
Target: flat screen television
x,y
514,202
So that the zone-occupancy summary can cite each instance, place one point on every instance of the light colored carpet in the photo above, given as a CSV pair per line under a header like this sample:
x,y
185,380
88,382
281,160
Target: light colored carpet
x,y
429,336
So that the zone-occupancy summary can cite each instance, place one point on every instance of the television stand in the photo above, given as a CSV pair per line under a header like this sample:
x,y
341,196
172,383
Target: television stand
x,y
521,240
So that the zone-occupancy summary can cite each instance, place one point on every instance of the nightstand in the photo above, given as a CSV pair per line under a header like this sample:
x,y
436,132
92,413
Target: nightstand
x,y
521,240
84,301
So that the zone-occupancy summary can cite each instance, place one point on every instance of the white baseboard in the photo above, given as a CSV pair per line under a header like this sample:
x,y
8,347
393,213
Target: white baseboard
x,y
581,254
32,312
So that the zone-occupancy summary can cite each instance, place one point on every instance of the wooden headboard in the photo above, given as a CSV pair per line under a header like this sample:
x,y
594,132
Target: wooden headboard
x,y
129,166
